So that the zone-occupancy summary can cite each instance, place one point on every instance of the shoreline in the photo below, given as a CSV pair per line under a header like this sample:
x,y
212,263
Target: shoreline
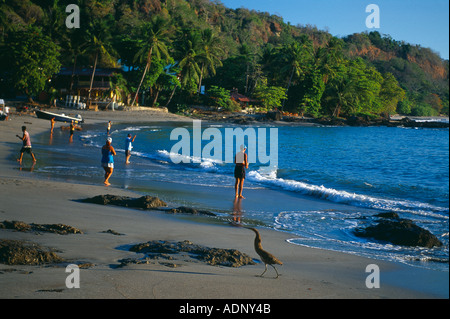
x,y
306,273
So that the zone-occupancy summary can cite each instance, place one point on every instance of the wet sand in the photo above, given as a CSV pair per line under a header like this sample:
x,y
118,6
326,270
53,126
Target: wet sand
x,y
305,273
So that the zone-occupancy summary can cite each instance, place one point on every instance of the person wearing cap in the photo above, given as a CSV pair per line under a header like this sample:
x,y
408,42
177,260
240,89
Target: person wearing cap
x,y
108,154
241,162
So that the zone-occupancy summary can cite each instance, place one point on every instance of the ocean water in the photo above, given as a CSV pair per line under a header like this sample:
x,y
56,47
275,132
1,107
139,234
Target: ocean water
x,y
352,173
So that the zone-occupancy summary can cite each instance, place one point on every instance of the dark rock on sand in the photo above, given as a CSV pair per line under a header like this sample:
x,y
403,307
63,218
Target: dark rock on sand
x,y
212,256
189,210
144,202
16,252
15,225
398,231
56,228
51,228
113,232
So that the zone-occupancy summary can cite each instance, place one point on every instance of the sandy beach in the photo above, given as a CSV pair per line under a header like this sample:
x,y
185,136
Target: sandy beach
x,y
306,273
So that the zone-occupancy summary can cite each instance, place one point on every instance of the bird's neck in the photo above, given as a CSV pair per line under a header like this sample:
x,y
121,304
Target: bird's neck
x,y
258,243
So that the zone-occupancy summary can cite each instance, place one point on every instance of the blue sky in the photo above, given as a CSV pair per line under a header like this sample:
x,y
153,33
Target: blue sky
x,y
414,21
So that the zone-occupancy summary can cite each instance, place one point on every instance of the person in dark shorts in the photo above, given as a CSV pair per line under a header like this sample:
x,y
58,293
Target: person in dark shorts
x,y
26,146
241,162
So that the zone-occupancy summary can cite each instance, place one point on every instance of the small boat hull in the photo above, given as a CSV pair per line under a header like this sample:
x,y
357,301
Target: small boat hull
x,y
58,117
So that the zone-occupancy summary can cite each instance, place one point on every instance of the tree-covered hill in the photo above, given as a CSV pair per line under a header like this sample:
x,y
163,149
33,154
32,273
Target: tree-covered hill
x,y
171,48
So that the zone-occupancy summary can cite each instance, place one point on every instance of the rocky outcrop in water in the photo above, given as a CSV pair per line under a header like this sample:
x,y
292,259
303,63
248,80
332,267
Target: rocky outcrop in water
x,y
390,228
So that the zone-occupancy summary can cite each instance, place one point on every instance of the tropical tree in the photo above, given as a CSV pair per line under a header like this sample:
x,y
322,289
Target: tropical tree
x,y
341,91
218,96
154,37
188,49
30,59
390,94
75,44
355,88
270,96
119,87
329,57
294,58
100,45
209,55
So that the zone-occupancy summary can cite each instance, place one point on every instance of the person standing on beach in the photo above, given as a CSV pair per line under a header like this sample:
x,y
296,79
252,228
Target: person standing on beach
x,y
128,147
72,130
53,124
72,127
241,162
26,146
108,154
108,129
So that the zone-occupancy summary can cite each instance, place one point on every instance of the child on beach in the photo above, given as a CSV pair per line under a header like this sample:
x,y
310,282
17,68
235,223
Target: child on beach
x,y
241,162
128,147
108,154
26,146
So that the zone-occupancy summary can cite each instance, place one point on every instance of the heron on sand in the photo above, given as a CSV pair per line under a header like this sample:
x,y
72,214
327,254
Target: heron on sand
x,y
267,258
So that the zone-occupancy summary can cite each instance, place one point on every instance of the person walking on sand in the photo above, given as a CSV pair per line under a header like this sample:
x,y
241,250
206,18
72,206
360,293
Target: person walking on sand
x,y
128,147
26,146
108,154
241,162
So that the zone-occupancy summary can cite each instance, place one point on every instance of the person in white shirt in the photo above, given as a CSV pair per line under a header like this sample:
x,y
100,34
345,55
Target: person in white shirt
x,y
128,148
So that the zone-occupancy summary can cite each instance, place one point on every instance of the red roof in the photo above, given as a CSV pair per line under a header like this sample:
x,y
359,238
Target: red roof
x,y
240,97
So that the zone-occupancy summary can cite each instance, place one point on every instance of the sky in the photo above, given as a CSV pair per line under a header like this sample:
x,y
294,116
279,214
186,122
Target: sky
x,y
422,22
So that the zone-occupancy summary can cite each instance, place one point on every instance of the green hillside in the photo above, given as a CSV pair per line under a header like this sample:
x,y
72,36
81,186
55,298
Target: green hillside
x,y
299,69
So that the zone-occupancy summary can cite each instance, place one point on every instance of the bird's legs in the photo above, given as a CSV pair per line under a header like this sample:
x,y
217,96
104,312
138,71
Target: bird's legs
x,y
263,271
275,270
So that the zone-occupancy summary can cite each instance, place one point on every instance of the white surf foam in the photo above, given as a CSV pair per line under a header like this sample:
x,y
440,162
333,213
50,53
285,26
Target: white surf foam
x,y
341,196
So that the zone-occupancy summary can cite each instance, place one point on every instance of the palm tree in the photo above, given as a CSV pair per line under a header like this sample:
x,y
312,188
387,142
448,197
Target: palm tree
x,y
344,89
294,58
155,36
209,56
100,45
190,71
76,46
188,49
329,57
118,87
